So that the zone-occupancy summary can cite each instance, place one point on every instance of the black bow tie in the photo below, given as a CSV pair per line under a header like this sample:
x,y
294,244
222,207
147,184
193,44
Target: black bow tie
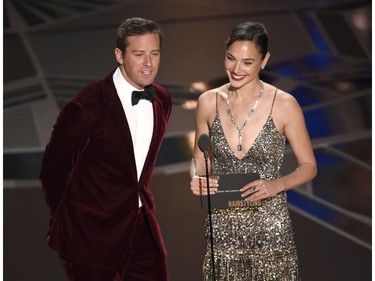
x,y
148,94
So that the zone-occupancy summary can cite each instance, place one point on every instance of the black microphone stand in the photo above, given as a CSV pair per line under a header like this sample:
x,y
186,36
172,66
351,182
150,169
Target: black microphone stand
x,y
205,152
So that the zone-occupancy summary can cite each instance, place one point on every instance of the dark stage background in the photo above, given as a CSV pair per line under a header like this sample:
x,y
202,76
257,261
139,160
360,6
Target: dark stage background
x,y
320,52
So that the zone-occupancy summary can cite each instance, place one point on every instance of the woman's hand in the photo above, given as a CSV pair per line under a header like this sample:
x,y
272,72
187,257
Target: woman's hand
x,y
198,185
261,189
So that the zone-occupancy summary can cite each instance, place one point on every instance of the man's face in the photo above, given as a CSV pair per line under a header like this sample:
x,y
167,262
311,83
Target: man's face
x,y
140,62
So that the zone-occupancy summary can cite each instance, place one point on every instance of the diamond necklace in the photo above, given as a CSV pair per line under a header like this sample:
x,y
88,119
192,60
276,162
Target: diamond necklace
x,y
239,129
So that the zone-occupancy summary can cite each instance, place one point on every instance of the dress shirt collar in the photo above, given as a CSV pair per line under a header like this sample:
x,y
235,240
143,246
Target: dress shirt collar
x,y
123,87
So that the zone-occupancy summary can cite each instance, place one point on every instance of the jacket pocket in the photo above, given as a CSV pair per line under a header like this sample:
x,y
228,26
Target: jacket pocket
x,y
88,209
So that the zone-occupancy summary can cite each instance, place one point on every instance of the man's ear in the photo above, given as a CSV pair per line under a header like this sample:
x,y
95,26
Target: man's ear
x,y
118,55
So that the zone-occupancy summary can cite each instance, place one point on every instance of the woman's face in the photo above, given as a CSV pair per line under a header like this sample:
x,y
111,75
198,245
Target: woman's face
x,y
243,62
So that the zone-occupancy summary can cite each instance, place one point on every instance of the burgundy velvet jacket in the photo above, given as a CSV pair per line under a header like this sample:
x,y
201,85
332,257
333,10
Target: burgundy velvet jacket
x,y
89,176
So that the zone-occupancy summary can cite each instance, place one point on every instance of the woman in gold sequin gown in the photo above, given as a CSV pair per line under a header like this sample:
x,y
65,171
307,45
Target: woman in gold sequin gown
x,y
248,122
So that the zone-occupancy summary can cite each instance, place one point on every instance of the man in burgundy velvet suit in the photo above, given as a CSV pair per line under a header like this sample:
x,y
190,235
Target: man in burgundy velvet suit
x,y
98,165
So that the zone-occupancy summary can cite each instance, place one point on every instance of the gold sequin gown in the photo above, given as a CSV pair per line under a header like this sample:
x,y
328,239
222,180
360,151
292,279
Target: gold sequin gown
x,y
251,243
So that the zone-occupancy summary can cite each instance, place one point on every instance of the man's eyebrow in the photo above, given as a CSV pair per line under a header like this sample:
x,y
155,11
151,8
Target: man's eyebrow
x,y
143,51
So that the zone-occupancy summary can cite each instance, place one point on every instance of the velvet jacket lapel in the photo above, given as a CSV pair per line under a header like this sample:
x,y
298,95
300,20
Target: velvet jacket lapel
x,y
117,115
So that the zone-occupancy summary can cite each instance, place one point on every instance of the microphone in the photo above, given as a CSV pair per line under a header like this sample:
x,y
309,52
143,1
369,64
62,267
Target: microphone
x,y
204,145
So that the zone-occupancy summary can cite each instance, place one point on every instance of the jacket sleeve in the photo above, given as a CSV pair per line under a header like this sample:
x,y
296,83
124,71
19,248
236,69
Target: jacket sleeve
x,y
69,137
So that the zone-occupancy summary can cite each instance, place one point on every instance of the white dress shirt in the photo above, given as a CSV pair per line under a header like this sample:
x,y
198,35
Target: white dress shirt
x,y
140,119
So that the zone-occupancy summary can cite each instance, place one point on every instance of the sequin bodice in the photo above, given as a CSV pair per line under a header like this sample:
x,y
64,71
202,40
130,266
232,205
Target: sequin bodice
x,y
265,156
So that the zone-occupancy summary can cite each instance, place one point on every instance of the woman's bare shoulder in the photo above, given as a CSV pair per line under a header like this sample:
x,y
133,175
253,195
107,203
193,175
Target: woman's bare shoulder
x,y
207,95
208,99
285,101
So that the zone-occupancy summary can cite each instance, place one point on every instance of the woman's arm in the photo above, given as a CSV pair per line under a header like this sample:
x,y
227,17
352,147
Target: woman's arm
x,y
203,117
288,116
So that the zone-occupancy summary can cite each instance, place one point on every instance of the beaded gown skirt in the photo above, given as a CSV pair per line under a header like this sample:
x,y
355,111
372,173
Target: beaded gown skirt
x,y
251,243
